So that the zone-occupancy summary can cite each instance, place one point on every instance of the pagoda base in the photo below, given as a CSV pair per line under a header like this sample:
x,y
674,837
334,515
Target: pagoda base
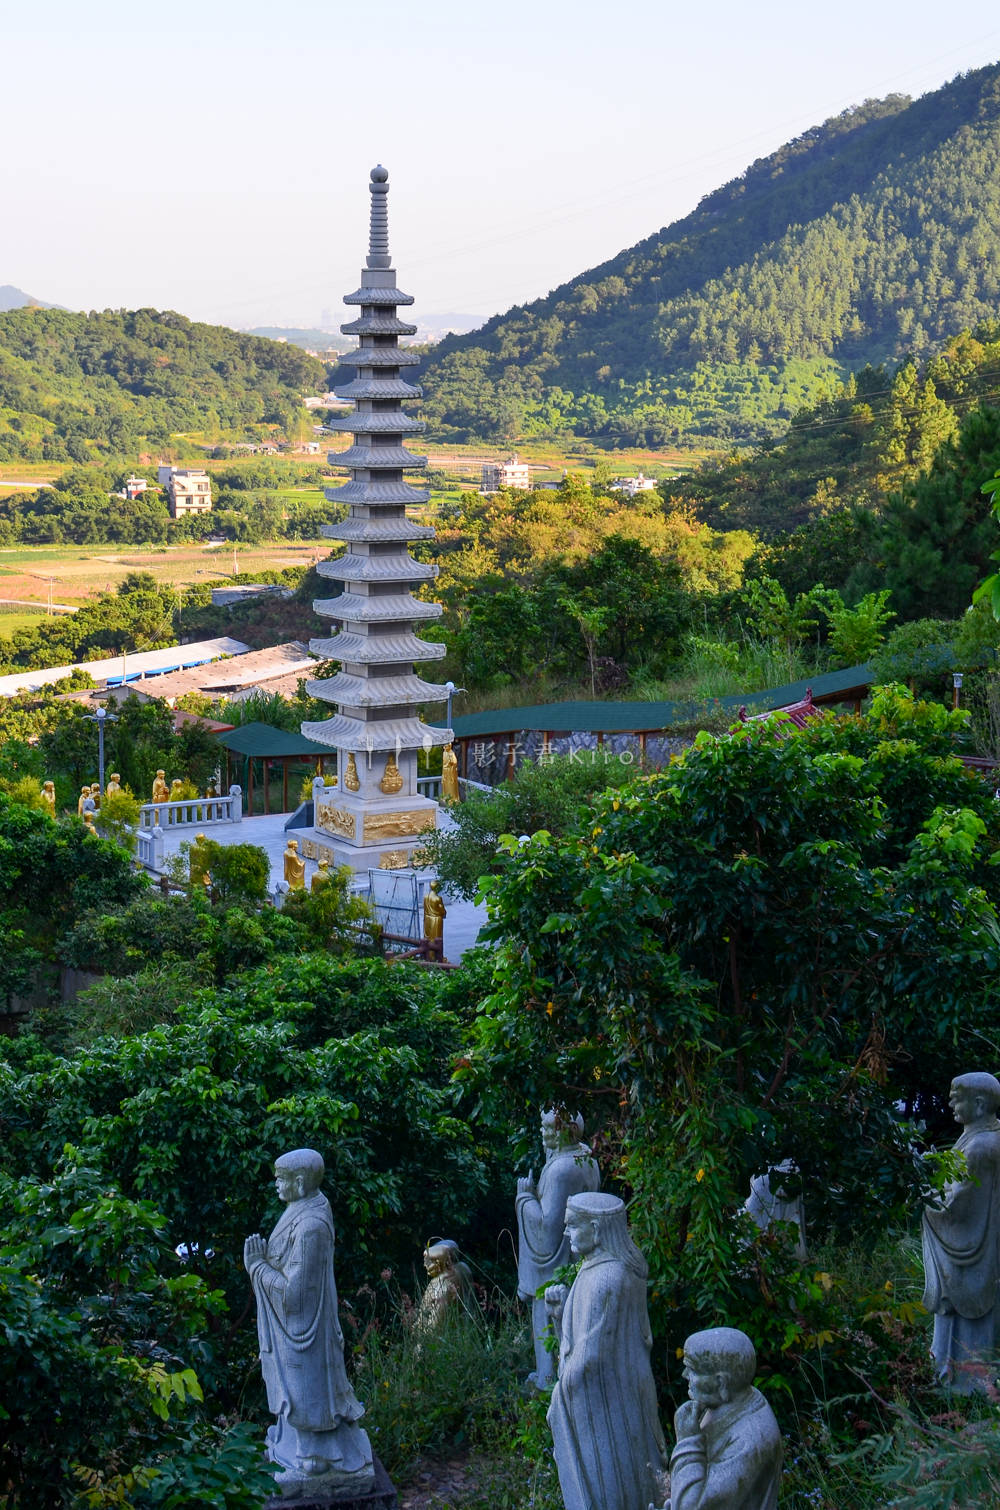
x,y
392,854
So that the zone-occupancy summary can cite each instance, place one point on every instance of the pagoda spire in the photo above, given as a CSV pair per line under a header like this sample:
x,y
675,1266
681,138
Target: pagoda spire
x,y
375,814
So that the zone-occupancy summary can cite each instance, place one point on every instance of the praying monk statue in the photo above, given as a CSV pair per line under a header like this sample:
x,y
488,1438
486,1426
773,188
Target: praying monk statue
x,y
543,1243
161,792
316,1444
295,866
961,1241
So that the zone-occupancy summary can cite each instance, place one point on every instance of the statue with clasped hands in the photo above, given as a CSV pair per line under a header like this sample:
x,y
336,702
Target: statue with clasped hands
x,y
316,1443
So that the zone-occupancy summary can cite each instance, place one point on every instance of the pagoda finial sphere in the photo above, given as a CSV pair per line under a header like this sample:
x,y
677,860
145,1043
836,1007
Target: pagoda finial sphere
x,y
380,175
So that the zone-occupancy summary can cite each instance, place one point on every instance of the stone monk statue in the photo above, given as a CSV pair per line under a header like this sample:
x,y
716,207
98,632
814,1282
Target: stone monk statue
x,y
316,1442
728,1451
606,1434
543,1243
961,1241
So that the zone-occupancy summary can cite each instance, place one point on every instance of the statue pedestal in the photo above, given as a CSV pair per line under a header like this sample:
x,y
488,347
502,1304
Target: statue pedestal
x,y
381,1496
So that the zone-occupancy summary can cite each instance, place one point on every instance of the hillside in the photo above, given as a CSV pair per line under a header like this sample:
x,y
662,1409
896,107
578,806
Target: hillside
x,y
16,298
868,238
81,387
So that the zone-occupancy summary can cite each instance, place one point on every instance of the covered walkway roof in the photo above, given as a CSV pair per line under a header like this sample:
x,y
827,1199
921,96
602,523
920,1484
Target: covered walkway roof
x,y
264,742
638,717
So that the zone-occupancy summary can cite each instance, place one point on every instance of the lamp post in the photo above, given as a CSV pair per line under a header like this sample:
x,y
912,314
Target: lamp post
x,y
100,718
956,687
451,689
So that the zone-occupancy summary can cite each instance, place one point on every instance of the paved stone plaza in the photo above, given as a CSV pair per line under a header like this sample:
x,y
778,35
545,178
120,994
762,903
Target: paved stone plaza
x,y
462,924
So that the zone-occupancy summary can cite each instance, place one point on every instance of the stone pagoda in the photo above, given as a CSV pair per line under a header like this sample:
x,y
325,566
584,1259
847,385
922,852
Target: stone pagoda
x,y
374,816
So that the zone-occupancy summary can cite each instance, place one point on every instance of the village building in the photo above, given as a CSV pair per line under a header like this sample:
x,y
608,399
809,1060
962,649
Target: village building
x,y
189,490
512,473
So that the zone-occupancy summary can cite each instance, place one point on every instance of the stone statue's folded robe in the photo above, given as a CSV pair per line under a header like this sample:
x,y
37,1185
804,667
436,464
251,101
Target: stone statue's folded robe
x,y
301,1344
541,1216
733,1463
962,1242
608,1441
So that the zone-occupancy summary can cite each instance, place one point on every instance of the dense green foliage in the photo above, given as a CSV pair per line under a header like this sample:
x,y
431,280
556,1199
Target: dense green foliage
x,y
864,239
74,387
750,956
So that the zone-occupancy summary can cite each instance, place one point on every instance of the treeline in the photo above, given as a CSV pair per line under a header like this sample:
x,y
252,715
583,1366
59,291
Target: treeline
x,y
251,501
869,238
143,614
79,387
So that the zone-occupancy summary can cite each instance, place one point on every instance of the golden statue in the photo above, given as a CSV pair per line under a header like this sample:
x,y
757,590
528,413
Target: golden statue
x,y
351,781
435,912
449,774
198,872
88,822
161,792
95,792
175,790
322,876
83,798
114,786
295,867
392,781
49,798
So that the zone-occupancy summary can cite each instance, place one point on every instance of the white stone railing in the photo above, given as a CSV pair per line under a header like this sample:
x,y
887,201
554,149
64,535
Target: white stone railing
x,y
193,812
429,786
149,847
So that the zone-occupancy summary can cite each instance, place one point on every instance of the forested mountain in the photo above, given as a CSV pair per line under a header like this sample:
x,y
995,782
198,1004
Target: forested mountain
x,y
84,386
869,238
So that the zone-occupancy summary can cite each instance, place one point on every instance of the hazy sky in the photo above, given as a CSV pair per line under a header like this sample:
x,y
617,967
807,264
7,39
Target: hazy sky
x,y
212,156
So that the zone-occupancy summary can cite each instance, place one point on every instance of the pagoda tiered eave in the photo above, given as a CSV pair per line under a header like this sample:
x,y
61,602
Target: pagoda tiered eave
x,y
377,422
375,531
374,491
385,734
377,649
377,325
378,356
380,387
368,294
376,692
399,566
397,608
375,457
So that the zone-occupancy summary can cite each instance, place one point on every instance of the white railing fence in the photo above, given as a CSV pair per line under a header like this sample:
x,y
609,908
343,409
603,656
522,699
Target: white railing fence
x,y
193,812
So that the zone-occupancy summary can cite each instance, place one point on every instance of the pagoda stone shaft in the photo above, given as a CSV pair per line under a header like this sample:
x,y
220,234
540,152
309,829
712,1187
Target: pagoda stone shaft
x,y
375,814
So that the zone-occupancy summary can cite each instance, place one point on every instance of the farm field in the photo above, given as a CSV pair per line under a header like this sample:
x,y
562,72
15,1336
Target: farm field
x,y
79,571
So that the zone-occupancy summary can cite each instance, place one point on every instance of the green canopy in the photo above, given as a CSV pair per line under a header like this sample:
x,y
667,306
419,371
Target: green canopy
x,y
262,741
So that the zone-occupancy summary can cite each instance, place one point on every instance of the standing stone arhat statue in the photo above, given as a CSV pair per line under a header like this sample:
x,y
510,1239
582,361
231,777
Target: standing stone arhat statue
x,y
316,1444
543,1242
728,1450
606,1434
961,1242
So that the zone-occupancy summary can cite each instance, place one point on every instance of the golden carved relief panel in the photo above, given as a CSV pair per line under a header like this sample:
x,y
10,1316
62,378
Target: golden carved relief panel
x,y
394,859
380,826
336,820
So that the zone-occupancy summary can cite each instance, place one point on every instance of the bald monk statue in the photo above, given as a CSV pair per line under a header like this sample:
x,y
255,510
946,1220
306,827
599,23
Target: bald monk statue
x,y
316,1444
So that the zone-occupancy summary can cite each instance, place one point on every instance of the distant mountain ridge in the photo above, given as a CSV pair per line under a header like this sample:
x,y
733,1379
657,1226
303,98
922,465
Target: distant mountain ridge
x,y
869,237
16,298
